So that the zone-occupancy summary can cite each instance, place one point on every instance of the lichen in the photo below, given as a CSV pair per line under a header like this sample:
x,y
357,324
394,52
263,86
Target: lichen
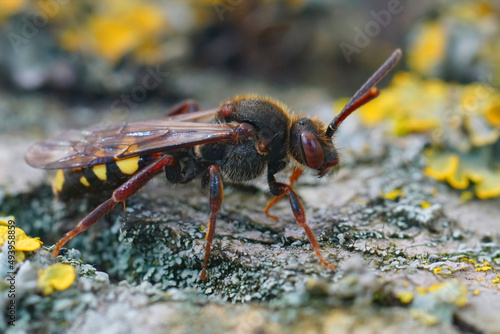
x,y
58,276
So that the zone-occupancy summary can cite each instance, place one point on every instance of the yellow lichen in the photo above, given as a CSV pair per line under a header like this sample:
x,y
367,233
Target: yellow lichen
x,y
483,266
18,239
403,104
466,196
493,111
425,205
450,292
405,297
462,120
119,28
490,185
440,166
393,195
424,317
10,7
428,49
56,277
459,170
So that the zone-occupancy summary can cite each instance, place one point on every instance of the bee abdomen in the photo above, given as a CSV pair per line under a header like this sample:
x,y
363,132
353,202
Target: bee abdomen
x,y
70,183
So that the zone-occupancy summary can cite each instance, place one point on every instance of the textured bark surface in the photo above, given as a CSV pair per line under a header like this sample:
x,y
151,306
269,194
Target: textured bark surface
x,y
411,263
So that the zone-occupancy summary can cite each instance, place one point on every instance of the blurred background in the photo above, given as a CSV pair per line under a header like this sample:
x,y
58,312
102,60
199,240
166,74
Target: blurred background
x,y
67,64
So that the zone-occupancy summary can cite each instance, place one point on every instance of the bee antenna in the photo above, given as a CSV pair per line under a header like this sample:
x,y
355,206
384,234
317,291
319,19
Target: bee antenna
x,y
366,93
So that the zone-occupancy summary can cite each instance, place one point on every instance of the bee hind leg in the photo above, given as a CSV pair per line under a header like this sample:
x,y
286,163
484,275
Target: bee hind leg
x,y
127,189
183,107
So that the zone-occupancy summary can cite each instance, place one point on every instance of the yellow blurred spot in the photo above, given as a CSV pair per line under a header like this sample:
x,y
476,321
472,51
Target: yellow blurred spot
x,y
405,297
404,127
472,11
428,49
10,7
425,205
480,279
466,196
459,178
450,291
484,268
56,277
437,270
496,280
424,317
119,28
476,292
440,165
421,290
5,220
393,194
490,184
493,111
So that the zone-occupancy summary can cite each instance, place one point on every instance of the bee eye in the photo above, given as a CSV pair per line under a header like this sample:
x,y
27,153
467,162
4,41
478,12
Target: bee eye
x,y
312,150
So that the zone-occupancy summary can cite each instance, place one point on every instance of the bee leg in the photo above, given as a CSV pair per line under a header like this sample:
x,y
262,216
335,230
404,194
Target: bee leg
x,y
183,107
127,189
216,194
281,189
293,178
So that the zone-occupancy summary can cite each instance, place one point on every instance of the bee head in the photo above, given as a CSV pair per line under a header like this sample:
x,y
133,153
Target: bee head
x,y
311,141
310,146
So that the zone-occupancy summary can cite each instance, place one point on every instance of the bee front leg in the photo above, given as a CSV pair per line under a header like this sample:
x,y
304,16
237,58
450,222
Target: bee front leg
x,y
214,183
293,178
127,189
279,190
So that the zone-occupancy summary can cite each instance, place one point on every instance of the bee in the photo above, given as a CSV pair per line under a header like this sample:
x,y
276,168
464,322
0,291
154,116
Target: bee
x,y
246,137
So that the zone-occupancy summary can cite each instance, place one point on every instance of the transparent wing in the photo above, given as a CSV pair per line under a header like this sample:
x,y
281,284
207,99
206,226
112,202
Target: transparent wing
x,y
99,145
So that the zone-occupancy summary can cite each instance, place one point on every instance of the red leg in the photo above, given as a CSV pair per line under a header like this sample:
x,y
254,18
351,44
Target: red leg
x,y
281,189
183,107
216,194
119,195
293,178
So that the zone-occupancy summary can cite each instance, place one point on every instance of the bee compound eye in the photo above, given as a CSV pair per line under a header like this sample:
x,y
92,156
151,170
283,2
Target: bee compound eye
x,y
312,149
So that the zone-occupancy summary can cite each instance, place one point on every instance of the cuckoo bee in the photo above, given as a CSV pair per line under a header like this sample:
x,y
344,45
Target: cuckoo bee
x,y
245,137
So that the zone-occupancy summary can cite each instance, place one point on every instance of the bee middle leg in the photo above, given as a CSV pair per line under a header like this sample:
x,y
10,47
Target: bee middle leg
x,y
216,195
